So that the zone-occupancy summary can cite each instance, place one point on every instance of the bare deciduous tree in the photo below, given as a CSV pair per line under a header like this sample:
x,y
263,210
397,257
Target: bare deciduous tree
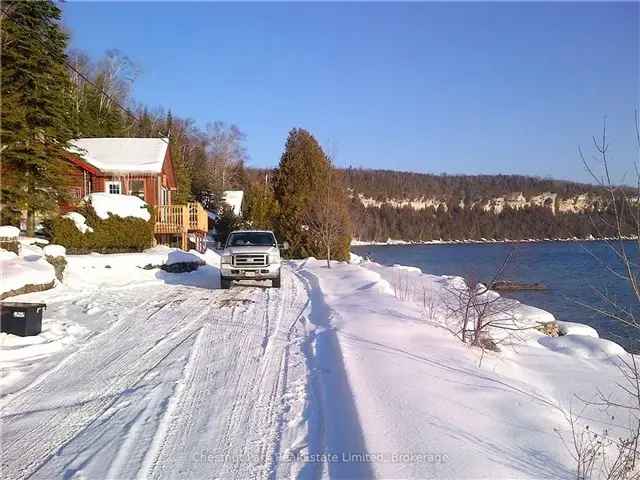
x,y
475,310
221,165
115,74
226,153
325,216
598,455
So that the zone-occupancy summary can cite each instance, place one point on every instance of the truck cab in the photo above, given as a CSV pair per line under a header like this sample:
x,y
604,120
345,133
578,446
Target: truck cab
x,y
250,255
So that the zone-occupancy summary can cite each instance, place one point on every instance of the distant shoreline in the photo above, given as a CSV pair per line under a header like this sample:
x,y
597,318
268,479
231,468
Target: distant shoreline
x,y
391,242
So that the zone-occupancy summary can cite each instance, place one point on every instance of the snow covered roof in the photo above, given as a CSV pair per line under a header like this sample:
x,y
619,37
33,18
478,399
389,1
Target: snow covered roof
x,y
233,198
141,155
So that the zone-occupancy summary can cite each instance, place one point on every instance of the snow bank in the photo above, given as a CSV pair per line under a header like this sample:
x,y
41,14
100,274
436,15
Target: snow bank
x,y
79,221
54,251
106,204
571,328
407,268
31,251
7,231
124,269
355,259
417,388
7,255
164,255
17,272
585,346
31,240
582,341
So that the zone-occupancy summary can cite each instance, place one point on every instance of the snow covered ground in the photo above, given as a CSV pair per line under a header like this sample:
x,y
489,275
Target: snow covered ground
x,y
425,406
27,268
141,373
144,373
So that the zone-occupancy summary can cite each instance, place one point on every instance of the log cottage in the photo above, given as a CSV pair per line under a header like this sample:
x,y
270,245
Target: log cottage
x,y
141,167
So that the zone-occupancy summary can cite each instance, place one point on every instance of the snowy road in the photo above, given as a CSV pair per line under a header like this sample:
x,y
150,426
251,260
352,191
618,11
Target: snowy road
x,y
187,382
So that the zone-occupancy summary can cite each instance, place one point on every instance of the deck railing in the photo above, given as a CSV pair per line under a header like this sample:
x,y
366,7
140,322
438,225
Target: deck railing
x,y
198,219
181,218
171,219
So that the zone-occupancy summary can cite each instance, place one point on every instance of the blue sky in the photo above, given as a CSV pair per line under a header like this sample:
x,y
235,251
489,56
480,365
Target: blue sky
x,y
430,87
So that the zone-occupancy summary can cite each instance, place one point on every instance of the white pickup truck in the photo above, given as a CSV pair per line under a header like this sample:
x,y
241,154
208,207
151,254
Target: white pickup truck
x,y
251,255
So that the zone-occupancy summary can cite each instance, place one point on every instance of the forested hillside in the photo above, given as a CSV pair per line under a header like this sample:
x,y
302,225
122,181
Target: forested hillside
x,y
422,207
418,207
388,184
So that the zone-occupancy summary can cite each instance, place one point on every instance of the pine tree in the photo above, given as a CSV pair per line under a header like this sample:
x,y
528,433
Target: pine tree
x,y
36,107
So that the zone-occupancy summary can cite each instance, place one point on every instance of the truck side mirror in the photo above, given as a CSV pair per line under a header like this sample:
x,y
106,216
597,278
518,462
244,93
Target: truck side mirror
x,y
285,245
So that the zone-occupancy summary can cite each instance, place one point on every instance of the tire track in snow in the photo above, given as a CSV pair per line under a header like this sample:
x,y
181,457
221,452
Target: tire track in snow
x,y
225,419
110,408
164,430
88,342
115,362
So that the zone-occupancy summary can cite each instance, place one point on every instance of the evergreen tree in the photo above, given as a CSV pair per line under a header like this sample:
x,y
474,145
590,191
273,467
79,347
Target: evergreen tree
x,y
178,142
35,110
303,169
227,223
302,165
260,209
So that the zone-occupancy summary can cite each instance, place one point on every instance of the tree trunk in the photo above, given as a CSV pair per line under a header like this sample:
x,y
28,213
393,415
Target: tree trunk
x,y
328,255
31,223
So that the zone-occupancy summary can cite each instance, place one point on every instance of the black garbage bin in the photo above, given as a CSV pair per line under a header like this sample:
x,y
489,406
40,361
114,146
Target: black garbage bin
x,y
21,318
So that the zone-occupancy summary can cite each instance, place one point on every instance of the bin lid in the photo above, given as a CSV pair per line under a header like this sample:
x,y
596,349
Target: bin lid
x,y
21,305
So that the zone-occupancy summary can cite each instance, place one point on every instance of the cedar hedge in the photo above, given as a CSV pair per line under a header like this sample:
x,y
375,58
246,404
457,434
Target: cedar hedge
x,y
112,235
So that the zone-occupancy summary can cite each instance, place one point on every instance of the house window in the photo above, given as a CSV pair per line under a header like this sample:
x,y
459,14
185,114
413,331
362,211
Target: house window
x,y
165,196
113,187
136,187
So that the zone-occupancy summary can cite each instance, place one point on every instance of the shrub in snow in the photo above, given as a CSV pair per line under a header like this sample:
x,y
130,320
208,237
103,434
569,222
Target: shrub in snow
x,y
79,221
551,329
105,235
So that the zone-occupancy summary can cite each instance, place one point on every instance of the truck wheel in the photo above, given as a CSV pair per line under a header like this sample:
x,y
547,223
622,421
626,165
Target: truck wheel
x,y
225,283
275,283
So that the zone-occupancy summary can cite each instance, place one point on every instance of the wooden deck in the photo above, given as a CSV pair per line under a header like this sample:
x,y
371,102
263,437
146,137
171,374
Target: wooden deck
x,y
180,220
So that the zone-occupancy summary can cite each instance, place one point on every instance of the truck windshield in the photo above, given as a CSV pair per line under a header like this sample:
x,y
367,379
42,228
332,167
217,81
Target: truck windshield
x,y
259,239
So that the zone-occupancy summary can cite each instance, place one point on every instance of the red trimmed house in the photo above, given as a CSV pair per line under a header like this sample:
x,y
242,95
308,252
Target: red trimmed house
x,y
131,166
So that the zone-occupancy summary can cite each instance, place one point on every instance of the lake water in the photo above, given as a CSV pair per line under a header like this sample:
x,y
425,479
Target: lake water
x,y
574,272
